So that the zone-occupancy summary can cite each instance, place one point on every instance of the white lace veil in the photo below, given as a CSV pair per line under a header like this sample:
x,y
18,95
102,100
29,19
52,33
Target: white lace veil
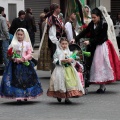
x,y
89,14
60,48
111,31
15,40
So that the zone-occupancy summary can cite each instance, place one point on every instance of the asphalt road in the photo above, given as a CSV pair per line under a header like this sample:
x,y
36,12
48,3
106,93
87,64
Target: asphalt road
x,y
92,106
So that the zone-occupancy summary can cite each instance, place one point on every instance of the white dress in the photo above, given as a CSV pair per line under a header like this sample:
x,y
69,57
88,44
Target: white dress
x,y
62,84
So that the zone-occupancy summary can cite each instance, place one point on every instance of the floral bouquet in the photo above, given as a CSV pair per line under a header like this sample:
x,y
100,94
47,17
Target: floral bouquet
x,y
13,55
75,54
84,26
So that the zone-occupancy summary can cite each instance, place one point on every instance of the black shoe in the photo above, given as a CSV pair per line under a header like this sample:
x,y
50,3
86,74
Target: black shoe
x,y
75,96
25,100
67,101
101,90
59,99
18,100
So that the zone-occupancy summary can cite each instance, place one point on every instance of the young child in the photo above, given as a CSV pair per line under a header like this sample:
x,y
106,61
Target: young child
x,y
79,68
64,82
20,80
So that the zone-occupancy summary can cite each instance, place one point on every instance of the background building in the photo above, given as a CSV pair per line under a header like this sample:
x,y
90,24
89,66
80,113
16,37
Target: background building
x,y
113,6
37,7
12,7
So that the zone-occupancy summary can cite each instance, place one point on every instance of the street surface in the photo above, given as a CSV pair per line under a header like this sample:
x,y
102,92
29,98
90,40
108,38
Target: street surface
x,y
92,106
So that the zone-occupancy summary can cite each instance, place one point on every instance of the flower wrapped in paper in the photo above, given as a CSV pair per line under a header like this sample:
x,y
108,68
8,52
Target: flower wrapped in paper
x,y
74,55
12,54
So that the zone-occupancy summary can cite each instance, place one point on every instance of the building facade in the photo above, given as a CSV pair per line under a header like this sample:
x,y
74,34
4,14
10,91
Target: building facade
x,y
12,7
38,6
112,6
96,3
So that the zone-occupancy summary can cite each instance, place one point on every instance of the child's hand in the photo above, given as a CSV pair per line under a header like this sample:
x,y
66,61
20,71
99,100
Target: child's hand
x,y
64,61
19,60
69,60
86,42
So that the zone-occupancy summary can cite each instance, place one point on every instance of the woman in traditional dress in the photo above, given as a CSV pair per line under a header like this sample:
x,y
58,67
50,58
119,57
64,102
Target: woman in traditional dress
x,y
55,29
64,82
105,64
44,58
20,80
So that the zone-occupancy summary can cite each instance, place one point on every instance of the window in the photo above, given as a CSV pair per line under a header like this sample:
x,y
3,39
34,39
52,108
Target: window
x,y
93,3
12,12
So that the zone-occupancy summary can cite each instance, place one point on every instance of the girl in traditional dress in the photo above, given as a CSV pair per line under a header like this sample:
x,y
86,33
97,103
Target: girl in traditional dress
x,y
64,82
20,80
105,66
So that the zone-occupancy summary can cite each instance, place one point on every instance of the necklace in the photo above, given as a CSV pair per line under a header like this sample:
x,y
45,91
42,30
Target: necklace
x,y
22,46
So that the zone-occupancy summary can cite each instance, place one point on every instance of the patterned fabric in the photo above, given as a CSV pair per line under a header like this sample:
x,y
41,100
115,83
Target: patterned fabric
x,y
44,61
65,82
54,21
20,81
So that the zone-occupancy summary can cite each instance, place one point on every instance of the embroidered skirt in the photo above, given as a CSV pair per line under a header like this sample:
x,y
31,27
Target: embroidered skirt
x,y
65,83
44,61
20,81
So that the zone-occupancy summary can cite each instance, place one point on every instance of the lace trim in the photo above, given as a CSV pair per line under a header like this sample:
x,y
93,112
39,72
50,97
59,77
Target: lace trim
x,y
68,94
101,70
21,98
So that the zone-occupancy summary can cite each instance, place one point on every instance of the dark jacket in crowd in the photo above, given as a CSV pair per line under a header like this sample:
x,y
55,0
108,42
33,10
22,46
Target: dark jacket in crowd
x,y
17,23
97,36
29,18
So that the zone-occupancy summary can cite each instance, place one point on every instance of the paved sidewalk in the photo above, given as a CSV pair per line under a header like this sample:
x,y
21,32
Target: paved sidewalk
x,y
89,107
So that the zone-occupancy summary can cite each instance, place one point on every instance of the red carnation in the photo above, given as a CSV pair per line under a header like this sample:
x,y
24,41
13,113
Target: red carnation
x,y
10,52
84,26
